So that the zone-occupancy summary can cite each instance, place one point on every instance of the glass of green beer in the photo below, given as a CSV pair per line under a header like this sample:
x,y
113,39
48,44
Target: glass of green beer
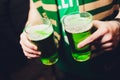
x,y
42,35
78,27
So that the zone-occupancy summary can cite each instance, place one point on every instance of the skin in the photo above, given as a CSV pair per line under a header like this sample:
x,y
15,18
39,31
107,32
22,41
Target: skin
x,y
30,50
105,38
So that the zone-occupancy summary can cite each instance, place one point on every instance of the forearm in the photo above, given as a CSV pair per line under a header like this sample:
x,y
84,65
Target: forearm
x,y
33,16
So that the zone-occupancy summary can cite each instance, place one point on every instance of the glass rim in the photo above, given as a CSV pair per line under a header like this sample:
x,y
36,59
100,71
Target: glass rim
x,y
27,26
77,12
67,21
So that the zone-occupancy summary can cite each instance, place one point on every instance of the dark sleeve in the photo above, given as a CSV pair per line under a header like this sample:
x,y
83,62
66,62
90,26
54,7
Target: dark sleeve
x,y
18,13
118,2
13,16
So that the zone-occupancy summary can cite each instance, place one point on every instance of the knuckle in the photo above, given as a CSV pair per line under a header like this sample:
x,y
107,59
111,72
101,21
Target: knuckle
x,y
26,54
110,37
20,35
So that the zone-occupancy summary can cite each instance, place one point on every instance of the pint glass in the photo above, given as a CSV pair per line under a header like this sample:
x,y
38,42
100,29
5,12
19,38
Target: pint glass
x,y
42,35
77,27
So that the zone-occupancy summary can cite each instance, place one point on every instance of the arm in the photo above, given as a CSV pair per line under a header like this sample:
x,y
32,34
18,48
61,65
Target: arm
x,y
33,16
29,49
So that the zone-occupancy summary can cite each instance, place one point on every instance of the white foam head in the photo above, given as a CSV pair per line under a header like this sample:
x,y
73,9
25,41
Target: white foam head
x,y
39,32
76,24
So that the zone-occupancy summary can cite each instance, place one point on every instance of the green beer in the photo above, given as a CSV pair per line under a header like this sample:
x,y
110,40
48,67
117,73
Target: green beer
x,y
42,35
77,27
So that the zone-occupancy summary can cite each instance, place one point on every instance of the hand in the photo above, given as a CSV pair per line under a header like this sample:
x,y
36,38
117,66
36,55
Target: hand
x,y
30,50
105,38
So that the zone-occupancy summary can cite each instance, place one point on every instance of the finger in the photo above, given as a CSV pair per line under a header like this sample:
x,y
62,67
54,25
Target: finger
x,y
102,30
96,53
102,47
30,55
97,23
24,41
107,45
108,49
92,38
106,38
30,50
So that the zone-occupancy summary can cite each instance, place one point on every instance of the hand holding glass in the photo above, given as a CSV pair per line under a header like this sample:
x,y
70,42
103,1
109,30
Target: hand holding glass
x,y
77,27
42,35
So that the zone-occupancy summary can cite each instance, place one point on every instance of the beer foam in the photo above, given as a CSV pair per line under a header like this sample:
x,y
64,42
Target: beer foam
x,y
76,24
39,32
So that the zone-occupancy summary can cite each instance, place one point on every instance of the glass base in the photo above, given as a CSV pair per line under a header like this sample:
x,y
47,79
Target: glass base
x,y
81,57
50,60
